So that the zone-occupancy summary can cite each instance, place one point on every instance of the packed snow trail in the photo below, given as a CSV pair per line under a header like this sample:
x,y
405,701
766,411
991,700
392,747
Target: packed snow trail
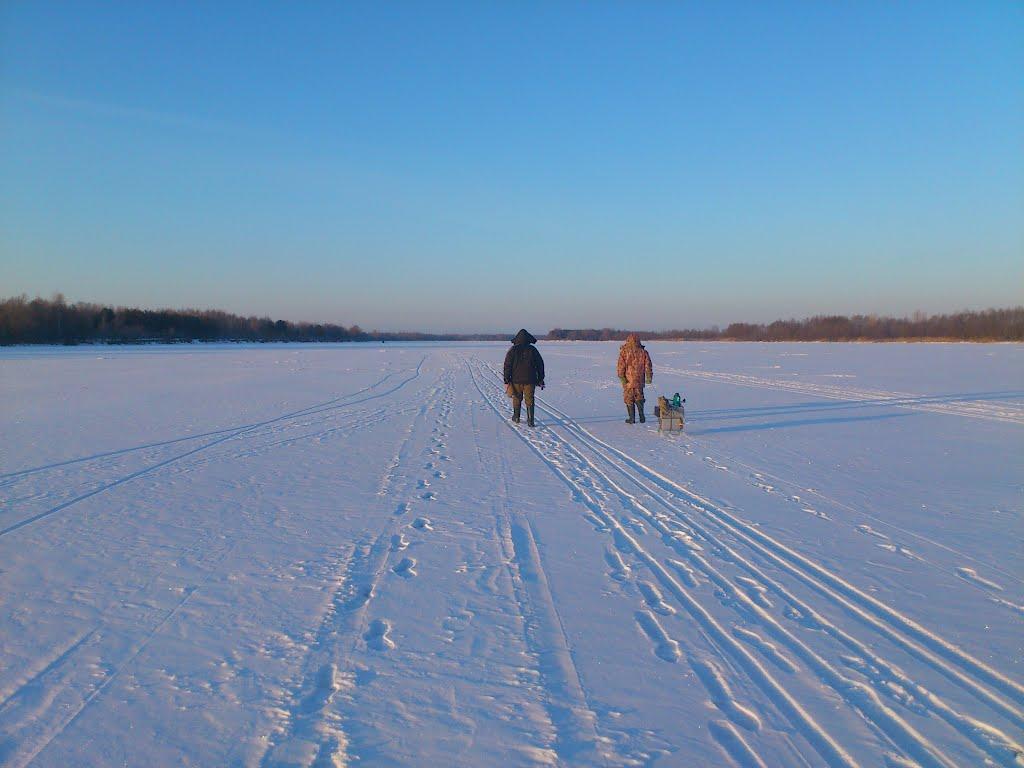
x,y
346,554
858,694
983,406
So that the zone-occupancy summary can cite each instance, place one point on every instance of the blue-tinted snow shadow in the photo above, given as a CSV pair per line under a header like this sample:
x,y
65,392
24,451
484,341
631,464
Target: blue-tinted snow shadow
x,y
714,414
695,416
587,419
796,423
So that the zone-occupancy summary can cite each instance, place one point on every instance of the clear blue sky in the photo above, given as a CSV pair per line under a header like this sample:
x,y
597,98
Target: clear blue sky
x,y
489,165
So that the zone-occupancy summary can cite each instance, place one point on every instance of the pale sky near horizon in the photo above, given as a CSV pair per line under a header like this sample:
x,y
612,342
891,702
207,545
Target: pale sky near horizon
x,y
484,166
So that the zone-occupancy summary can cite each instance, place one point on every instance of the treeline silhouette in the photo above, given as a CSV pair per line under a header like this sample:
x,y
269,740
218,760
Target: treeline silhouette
x,y
616,334
985,325
55,321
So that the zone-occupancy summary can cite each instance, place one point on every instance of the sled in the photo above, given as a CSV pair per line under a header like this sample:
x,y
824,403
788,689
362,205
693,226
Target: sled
x,y
671,418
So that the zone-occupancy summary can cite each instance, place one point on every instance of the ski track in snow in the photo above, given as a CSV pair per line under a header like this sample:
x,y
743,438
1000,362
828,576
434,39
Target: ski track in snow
x,y
28,747
327,405
569,712
949,405
31,719
788,653
799,496
330,405
317,736
723,531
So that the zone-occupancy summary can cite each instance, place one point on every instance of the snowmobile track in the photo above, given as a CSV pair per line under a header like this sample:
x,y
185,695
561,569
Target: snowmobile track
x,y
680,503
950,405
178,457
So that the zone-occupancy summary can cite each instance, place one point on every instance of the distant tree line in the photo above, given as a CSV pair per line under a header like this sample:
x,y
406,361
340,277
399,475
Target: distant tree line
x,y
985,325
55,321
616,334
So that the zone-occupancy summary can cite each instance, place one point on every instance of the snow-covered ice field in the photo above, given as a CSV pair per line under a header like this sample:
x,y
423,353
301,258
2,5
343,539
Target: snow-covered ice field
x,y
346,555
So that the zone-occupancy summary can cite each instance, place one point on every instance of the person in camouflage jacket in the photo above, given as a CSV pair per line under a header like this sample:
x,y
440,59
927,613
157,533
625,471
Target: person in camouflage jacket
x,y
634,371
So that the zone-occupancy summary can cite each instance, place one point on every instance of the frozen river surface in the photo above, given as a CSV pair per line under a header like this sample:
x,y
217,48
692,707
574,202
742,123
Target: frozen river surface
x,y
347,555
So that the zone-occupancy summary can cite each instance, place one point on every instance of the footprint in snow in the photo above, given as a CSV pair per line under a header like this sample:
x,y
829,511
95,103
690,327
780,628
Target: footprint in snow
x,y
326,686
755,591
377,635
971,575
769,650
899,549
665,648
867,530
458,621
637,525
721,694
406,568
422,524
654,599
794,614
620,571
686,573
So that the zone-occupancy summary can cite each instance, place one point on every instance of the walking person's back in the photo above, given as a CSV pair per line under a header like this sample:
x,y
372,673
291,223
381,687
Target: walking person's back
x,y
524,371
634,370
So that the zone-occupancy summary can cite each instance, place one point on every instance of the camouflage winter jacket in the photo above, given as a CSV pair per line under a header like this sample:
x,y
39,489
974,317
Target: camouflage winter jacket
x,y
634,367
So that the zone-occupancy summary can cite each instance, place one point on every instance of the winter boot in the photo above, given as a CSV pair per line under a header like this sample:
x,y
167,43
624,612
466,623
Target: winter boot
x,y
640,408
631,410
516,410
529,416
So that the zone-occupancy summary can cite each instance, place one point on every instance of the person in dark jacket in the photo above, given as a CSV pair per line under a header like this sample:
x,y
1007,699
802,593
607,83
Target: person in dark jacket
x,y
524,371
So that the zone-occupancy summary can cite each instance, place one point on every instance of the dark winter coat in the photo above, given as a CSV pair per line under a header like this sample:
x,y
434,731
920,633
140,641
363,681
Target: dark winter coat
x,y
523,363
